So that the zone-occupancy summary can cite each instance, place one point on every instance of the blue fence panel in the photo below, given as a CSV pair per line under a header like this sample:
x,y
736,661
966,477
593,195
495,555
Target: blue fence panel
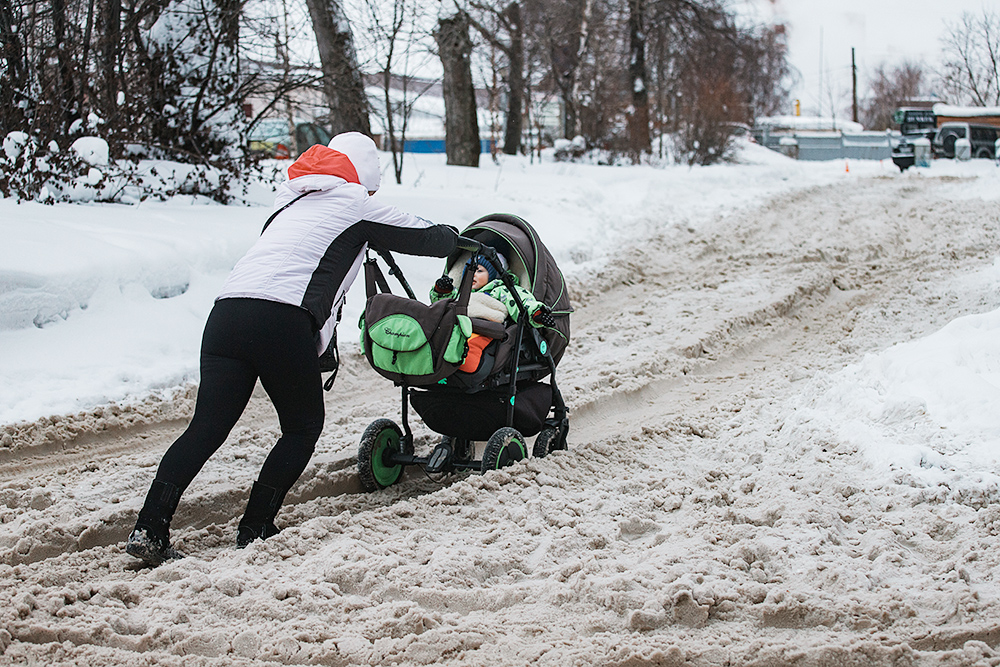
x,y
424,146
436,146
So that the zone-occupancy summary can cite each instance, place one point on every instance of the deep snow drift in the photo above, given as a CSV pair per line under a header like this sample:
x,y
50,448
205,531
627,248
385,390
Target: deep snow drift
x,y
783,379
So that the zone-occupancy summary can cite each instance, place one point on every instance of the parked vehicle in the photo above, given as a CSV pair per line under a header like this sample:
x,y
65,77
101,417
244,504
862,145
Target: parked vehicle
x,y
982,138
271,137
903,154
915,124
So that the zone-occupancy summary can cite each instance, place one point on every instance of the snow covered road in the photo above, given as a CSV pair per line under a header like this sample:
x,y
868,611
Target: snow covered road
x,y
721,502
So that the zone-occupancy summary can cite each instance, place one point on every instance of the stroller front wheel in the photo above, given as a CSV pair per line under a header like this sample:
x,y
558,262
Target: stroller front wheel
x,y
379,441
504,448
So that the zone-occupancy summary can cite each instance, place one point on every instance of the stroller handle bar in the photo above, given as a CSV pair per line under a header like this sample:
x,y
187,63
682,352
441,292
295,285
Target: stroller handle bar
x,y
477,248
471,245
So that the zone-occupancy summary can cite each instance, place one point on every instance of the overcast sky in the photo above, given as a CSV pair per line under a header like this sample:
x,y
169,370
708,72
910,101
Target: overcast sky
x,y
821,34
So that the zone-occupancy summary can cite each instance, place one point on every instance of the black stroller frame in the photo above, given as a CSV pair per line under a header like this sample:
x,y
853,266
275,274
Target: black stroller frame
x,y
386,449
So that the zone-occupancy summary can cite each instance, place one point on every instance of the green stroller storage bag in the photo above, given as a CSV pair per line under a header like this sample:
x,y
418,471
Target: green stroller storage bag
x,y
410,342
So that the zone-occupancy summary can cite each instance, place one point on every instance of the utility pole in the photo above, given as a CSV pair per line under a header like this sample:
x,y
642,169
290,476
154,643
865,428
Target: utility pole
x,y
854,86
819,99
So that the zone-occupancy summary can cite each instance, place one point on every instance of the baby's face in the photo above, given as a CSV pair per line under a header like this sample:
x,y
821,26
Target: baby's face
x,y
480,277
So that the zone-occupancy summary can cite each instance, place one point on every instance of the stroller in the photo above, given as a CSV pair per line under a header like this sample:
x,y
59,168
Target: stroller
x,y
504,400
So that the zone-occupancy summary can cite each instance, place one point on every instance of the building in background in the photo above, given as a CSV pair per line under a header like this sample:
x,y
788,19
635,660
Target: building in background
x,y
305,109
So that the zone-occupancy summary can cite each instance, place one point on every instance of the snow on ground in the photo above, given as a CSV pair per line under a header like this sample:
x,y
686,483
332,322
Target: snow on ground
x,y
783,379
130,286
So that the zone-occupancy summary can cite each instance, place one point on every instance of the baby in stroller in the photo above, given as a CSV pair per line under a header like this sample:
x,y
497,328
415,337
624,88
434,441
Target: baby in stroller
x,y
491,300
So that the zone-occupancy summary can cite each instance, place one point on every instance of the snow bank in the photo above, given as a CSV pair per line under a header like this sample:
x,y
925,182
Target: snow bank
x,y
943,389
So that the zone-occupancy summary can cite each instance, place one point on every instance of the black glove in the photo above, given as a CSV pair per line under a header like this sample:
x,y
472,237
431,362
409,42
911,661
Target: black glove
x,y
444,285
543,316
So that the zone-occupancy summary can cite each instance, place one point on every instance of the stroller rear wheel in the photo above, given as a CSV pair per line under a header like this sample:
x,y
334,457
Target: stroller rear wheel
x,y
550,438
504,448
546,442
380,440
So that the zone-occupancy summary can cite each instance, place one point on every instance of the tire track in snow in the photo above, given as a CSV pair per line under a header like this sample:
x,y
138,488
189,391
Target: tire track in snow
x,y
802,307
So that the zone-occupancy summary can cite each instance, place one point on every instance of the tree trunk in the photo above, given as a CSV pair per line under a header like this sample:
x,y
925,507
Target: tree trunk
x,y
65,88
566,35
638,118
515,81
573,110
461,126
342,81
85,102
13,78
390,125
109,26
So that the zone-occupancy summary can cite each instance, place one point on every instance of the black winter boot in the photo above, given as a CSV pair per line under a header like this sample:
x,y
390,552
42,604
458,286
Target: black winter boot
x,y
258,520
150,539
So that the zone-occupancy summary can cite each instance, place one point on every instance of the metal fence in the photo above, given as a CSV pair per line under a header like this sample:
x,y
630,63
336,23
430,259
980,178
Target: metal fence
x,y
829,145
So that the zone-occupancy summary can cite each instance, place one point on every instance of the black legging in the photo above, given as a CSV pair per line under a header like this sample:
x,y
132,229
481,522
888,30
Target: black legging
x,y
245,339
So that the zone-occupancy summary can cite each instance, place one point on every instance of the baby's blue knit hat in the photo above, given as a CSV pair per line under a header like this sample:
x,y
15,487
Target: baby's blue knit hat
x,y
488,265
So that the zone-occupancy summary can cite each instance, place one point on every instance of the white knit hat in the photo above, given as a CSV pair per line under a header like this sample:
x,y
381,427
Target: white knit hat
x,y
361,151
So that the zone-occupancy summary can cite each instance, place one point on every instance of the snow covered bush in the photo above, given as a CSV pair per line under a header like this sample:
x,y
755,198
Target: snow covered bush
x,y
29,170
180,68
568,150
86,173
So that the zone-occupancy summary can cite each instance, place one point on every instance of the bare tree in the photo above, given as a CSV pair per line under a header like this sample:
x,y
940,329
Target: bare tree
x,y
971,69
707,133
708,72
178,59
562,30
638,115
709,101
162,76
537,98
572,77
461,125
507,36
108,54
683,39
395,32
64,84
192,78
886,90
391,35
278,78
762,71
342,80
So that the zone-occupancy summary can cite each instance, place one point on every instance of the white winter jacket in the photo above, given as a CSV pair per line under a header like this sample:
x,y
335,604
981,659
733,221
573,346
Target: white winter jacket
x,y
312,251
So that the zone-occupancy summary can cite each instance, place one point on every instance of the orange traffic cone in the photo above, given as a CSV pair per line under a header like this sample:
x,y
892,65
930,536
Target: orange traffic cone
x,y
847,167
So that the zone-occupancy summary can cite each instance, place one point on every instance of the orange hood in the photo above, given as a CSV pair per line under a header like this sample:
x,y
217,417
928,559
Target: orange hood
x,y
320,159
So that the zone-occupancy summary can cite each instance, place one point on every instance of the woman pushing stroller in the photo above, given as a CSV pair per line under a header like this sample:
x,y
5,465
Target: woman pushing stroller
x,y
274,316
